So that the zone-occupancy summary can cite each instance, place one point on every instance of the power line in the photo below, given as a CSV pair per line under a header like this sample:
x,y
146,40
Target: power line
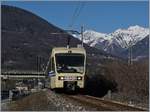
x,y
74,14
81,7
77,13
76,10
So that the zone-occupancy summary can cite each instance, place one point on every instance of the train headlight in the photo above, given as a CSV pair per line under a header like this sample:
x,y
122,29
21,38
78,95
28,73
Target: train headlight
x,y
79,78
61,77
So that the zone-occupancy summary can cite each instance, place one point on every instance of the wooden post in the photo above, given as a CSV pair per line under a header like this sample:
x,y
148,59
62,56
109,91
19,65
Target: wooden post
x,y
109,94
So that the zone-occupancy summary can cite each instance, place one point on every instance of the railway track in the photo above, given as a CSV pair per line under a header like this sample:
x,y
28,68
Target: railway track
x,y
103,105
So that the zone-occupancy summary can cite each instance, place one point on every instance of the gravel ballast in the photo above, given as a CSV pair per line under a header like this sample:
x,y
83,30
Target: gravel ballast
x,y
47,100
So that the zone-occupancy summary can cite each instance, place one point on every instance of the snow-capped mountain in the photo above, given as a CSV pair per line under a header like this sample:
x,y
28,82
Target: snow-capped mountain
x,y
140,50
92,37
132,34
117,41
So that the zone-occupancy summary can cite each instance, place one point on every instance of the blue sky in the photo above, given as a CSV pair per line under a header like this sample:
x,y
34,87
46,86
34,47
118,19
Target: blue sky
x,y
101,16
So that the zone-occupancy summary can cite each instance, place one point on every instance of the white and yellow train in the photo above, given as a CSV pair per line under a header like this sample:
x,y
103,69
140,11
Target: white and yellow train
x,y
66,68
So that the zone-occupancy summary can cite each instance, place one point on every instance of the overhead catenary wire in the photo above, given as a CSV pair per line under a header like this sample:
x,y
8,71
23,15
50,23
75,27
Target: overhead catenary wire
x,y
79,11
76,13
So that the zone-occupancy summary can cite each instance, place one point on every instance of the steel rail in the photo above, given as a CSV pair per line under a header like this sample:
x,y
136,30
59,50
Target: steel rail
x,y
102,104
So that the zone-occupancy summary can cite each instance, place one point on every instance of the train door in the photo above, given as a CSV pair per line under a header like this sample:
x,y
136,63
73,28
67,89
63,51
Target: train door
x,y
52,74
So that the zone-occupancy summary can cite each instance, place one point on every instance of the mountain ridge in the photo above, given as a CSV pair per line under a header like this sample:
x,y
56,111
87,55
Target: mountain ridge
x,y
26,36
117,41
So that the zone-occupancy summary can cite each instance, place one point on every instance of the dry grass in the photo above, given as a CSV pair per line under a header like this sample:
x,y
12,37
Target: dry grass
x,y
37,101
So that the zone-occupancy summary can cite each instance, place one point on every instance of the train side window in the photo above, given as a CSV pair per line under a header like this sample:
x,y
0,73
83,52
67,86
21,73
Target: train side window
x,y
52,64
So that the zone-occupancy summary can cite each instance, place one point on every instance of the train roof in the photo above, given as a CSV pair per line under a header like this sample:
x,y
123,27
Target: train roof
x,y
66,50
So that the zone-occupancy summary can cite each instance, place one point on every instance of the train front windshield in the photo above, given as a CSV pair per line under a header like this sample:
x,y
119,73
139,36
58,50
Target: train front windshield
x,y
70,63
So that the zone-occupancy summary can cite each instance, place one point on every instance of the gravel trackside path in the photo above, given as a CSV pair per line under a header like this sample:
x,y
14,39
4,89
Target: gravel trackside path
x,y
47,101
34,102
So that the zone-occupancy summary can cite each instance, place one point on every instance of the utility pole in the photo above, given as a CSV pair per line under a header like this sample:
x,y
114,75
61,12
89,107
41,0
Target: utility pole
x,y
68,42
40,60
130,53
38,68
82,35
